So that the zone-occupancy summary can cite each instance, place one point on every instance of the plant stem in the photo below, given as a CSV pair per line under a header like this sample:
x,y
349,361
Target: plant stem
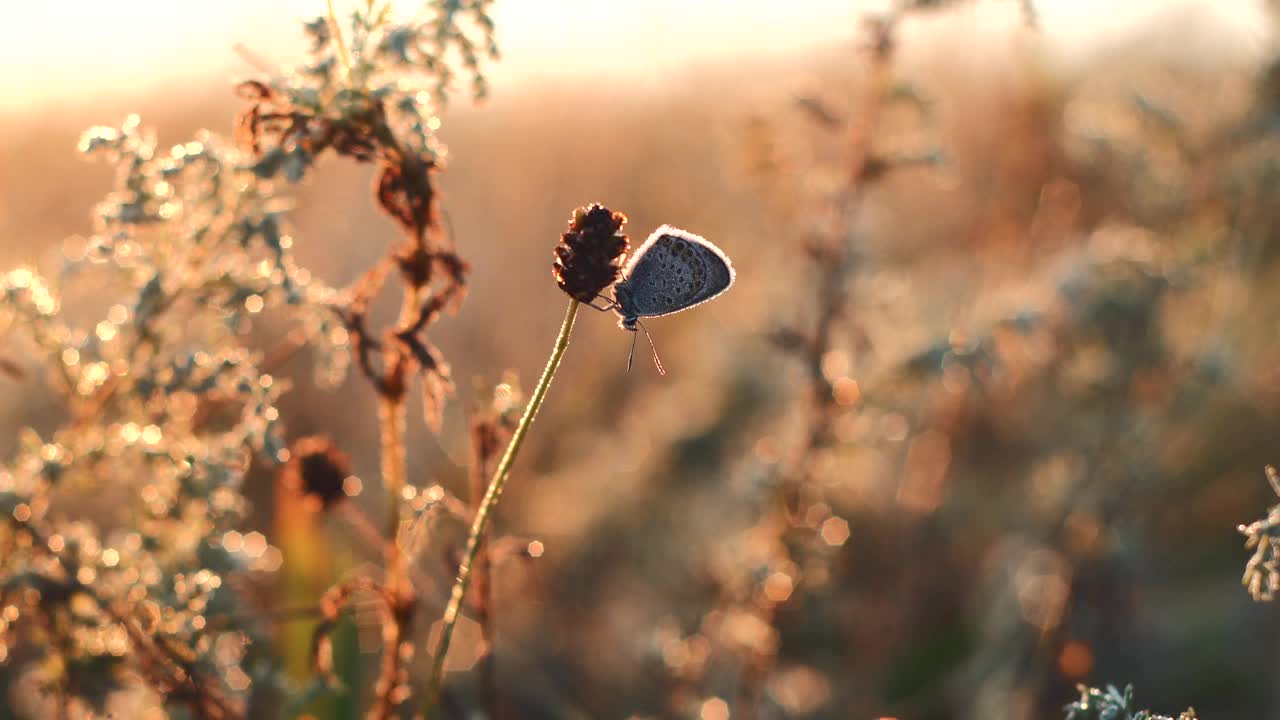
x,y
391,417
487,505
336,32
391,413
483,590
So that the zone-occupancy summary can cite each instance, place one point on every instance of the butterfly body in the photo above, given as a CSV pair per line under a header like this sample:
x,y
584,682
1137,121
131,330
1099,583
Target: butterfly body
x,y
672,271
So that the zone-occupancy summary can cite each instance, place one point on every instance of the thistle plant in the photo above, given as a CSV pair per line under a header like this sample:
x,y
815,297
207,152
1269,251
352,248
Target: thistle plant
x,y
587,261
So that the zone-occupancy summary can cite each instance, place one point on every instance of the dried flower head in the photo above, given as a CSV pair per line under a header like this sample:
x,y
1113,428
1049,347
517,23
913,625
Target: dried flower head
x,y
589,256
317,470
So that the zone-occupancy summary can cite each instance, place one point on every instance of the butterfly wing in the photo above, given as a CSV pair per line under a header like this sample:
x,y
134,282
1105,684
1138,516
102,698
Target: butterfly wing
x,y
719,271
672,271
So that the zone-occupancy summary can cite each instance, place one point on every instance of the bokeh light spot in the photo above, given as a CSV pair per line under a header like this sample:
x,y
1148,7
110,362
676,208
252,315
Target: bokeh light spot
x,y
778,587
846,391
714,709
352,486
1076,660
835,531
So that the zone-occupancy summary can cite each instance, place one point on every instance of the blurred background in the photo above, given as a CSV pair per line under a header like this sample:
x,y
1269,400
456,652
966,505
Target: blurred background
x,y
995,385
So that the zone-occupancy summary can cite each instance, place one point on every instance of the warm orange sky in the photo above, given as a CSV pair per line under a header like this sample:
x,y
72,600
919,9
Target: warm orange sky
x,y
58,51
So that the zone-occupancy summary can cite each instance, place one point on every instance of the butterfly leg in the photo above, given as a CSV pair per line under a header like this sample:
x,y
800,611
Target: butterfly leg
x,y
612,305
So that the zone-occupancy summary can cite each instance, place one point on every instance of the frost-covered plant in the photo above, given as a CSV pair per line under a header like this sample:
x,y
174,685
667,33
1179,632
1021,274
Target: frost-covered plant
x,y
1112,704
166,407
1262,571
121,543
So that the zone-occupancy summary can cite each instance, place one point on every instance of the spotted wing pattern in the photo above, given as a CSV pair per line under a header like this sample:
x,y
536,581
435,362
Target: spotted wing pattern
x,y
673,270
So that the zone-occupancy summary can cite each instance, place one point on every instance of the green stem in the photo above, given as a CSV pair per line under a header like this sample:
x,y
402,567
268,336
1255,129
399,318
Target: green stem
x,y
490,501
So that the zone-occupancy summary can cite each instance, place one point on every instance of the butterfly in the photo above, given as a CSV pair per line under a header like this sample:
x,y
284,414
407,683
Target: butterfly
x,y
672,270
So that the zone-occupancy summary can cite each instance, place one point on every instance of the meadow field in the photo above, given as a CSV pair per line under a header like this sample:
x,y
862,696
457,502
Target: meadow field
x,y
983,423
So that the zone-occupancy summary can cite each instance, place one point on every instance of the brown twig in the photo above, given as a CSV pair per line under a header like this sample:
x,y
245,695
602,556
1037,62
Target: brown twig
x,y
432,279
832,255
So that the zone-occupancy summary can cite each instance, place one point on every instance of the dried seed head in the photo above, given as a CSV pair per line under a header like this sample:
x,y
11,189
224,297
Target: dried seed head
x,y
317,470
589,256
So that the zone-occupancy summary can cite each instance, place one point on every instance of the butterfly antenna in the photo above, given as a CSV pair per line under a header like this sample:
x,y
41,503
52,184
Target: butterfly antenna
x,y
656,360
